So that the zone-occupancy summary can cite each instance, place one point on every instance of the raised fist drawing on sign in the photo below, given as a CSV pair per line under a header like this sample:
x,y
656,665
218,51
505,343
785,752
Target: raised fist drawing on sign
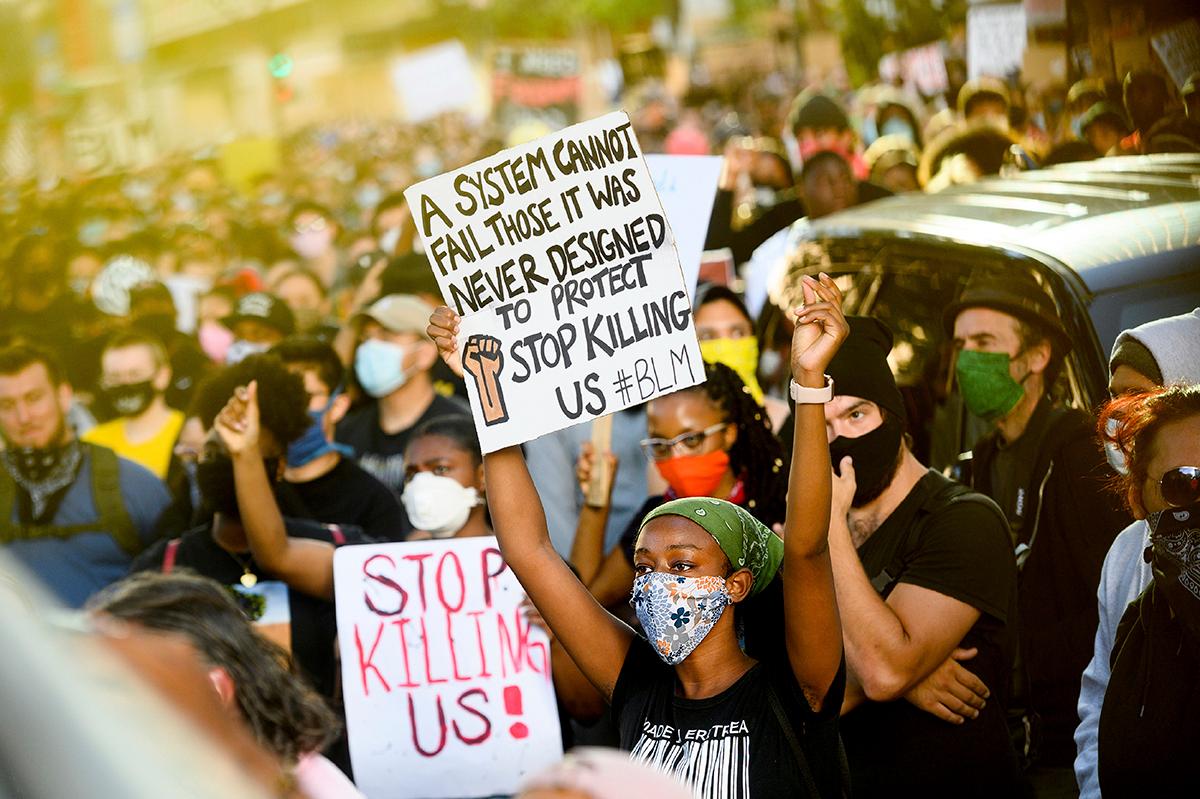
x,y
483,359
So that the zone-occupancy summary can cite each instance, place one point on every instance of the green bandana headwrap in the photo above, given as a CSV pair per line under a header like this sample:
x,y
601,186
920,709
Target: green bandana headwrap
x,y
747,542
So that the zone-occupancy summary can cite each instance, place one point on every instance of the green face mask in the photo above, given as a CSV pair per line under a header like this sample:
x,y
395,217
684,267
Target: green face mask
x,y
987,387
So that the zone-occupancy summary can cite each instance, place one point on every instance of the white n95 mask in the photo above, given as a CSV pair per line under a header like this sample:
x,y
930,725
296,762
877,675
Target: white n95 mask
x,y
438,505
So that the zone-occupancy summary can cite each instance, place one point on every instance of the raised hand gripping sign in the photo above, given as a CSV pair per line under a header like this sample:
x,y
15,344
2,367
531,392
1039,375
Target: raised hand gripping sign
x,y
447,685
559,258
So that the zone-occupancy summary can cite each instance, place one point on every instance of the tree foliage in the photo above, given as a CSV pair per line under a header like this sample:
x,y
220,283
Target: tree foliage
x,y
868,36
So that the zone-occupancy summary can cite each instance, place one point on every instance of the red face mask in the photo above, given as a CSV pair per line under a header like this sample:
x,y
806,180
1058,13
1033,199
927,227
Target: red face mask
x,y
694,475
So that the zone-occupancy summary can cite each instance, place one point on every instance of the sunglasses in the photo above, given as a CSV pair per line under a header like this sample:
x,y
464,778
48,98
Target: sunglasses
x,y
1180,486
661,448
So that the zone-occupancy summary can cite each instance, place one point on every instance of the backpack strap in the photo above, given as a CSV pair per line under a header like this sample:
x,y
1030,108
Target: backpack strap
x,y
170,554
789,734
110,504
948,493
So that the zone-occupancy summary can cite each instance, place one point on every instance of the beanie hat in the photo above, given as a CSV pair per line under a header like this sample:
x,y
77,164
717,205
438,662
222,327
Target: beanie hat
x,y
1166,350
860,367
816,111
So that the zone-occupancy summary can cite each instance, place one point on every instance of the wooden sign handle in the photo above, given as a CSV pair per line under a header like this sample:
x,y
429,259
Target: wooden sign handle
x,y
602,473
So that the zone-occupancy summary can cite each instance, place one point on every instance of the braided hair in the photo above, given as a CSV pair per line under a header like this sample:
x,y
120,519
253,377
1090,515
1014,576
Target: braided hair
x,y
756,456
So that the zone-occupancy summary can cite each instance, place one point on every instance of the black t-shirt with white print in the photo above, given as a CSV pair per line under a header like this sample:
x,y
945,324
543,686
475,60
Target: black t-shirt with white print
x,y
729,746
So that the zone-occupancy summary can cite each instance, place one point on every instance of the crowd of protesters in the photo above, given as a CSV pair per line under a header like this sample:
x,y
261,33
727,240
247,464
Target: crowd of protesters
x,y
204,385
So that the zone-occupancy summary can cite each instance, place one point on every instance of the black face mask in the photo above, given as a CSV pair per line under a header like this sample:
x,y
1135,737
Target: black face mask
x,y
130,399
1175,561
160,324
876,458
214,478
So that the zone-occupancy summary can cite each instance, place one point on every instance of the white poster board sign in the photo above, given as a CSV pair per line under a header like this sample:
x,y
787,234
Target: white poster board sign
x,y
435,81
996,39
560,259
687,186
446,684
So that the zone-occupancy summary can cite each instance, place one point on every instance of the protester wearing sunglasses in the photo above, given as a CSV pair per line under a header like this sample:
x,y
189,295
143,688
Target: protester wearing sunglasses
x,y
711,440
1147,728
1159,353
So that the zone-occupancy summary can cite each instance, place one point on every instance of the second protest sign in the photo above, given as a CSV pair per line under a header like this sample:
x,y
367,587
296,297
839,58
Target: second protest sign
x,y
559,258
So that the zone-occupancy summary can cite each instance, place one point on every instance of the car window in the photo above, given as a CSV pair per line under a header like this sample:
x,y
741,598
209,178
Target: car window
x,y
1135,305
909,290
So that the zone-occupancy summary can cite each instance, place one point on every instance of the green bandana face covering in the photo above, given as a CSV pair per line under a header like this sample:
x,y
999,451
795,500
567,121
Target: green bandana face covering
x,y
987,387
747,542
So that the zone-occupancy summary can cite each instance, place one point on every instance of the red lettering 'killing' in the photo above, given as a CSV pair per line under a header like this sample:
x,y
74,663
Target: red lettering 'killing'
x,y
408,681
420,561
425,646
365,664
385,581
412,718
492,564
475,614
487,724
462,583
516,656
453,655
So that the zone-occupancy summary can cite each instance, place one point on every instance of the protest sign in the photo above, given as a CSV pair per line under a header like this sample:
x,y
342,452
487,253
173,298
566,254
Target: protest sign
x,y
1179,50
687,186
536,83
559,256
446,684
996,39
435,81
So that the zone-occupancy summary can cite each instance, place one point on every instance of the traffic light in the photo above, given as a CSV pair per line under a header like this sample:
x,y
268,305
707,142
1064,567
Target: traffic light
x,y
280,66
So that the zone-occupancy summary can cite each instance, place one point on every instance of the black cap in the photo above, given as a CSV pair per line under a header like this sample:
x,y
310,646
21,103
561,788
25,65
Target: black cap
x,y
260,306
1015,293
860,367
816,111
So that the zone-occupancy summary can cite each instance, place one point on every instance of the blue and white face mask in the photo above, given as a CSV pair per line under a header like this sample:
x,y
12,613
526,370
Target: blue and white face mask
x,y
379,366
676,613
312,444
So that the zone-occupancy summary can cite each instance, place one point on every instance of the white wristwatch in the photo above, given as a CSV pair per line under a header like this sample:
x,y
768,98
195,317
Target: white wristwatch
x,y
802,395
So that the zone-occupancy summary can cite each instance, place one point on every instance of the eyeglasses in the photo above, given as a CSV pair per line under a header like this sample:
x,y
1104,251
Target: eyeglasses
x,y
661,448
1179,486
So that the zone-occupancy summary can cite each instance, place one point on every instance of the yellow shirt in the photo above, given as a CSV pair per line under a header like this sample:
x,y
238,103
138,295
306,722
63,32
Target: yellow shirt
x,y
154,453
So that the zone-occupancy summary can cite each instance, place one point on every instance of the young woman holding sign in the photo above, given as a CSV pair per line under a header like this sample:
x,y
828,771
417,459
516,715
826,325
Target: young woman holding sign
x,y
690,700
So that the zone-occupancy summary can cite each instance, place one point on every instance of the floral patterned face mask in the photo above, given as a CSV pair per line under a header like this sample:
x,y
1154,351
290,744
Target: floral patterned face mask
x,y
677,612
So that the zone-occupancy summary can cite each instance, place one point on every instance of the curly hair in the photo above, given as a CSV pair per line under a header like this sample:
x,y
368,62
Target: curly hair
x,y
756,456
1139,419
284,714
282,400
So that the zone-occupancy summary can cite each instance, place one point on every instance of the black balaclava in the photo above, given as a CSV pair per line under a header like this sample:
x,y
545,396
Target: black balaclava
x,y
860,369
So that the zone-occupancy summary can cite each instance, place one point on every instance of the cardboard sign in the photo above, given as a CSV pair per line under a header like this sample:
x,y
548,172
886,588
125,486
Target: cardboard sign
x,y
996,39
687,186
1179,50
560,259
446,684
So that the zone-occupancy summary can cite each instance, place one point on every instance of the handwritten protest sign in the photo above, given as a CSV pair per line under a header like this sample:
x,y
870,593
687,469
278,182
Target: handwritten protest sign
x,y
996,38
447,686
687,186
559,256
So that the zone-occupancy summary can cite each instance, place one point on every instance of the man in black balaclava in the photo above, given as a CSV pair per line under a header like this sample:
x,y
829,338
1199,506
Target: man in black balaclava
x,y
925,578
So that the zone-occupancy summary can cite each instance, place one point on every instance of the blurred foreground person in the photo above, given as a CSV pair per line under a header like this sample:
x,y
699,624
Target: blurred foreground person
x,y
249,674
74,514
1159,353
595,773
1147,731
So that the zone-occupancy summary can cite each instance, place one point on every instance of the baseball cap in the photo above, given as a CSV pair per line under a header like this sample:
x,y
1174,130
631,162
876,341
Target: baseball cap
x,y
260,306
398,313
